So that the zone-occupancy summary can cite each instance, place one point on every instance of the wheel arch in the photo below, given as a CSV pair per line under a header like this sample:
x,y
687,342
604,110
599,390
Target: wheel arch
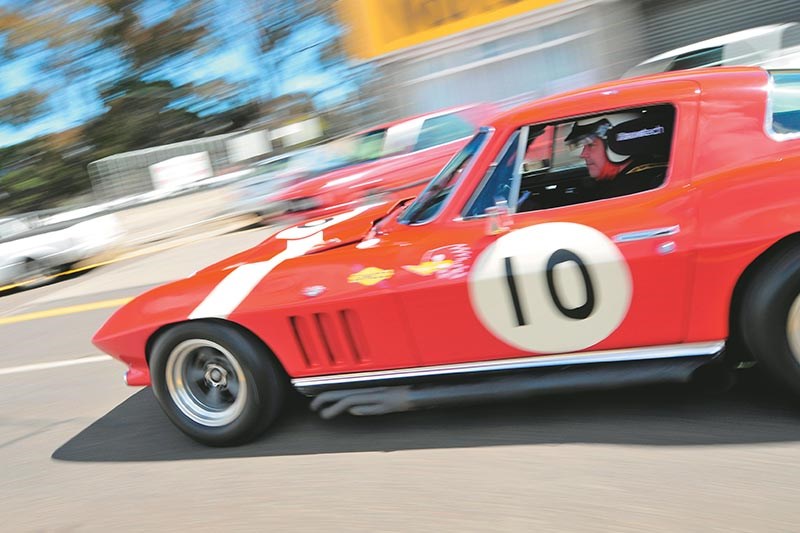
x,y
221,321
740,351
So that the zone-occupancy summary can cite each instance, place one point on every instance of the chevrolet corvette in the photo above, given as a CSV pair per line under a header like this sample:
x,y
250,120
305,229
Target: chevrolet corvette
x,y
629,233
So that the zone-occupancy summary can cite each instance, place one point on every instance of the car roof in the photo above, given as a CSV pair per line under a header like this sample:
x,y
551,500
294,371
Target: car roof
x,y
715,42
722,40
656,83
430,114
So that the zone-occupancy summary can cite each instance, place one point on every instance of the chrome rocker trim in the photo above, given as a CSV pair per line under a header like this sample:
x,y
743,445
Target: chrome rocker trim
x,y
313,385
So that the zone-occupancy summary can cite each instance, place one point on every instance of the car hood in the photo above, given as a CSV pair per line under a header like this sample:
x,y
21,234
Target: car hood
x,y
217,290
357,176
313,236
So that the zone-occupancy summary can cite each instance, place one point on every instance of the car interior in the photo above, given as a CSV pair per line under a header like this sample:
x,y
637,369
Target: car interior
x,y
553,176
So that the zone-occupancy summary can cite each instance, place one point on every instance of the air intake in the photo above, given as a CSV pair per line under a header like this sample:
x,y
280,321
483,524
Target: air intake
x,y
330,340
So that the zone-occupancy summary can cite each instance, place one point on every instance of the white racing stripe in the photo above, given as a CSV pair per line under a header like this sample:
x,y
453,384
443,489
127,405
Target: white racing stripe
x,y
54,364
236,286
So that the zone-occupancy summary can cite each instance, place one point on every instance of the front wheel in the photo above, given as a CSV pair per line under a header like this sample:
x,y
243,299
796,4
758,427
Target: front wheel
x,y
769,320
220,386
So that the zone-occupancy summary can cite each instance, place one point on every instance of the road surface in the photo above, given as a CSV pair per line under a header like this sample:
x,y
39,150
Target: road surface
x,y
80,451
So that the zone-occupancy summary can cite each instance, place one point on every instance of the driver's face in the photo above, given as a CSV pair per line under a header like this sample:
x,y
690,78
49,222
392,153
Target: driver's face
x,y
594,153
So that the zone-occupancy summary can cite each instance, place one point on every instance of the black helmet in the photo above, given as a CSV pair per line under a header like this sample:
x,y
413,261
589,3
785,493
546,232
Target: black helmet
x,y
584,131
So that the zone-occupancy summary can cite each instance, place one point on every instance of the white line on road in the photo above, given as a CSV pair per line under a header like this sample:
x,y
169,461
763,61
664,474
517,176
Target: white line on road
x,y
53,364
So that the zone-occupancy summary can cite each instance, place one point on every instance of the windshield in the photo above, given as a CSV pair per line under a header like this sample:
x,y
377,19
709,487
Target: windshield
x,y
356,148
433,197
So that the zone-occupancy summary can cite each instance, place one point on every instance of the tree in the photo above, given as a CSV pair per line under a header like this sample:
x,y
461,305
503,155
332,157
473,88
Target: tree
x,y
137,63
105,47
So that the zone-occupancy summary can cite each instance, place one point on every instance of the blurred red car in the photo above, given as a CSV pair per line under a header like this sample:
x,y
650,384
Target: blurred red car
x,y
396,158
518,270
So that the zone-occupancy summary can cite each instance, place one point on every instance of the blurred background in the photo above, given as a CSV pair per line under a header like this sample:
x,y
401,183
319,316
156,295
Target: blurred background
x,y
108,102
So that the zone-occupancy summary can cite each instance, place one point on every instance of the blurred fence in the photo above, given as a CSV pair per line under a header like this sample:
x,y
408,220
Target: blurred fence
x,y
128,174
133,173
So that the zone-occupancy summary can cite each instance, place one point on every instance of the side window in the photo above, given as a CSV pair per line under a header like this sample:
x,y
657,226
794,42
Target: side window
x,y
599,157
784,102
369,146
707,57
581,160
400,138
442,129
11,227
791,36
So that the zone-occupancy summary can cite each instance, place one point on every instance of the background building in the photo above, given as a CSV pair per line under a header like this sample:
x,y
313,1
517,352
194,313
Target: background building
x,y
436,53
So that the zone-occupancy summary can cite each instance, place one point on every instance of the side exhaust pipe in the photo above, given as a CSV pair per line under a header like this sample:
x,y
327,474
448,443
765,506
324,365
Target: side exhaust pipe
x,y
383,400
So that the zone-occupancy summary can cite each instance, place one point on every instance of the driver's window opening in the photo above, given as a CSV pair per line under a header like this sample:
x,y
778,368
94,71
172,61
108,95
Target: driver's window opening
x,y
431,200
580,160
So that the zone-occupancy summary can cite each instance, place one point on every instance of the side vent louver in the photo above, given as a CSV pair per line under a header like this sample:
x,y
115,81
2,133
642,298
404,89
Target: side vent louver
x,y
330,339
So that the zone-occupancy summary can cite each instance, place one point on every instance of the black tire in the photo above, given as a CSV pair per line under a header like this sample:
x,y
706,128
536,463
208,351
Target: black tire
x,y
220,386
34,274
769,320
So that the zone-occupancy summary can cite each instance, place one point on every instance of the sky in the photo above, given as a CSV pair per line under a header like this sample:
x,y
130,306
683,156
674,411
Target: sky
x,y
76,102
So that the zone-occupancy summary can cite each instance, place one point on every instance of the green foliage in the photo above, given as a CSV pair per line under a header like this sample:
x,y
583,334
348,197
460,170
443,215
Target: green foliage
x,y
22,107
107,45
139,116
40,175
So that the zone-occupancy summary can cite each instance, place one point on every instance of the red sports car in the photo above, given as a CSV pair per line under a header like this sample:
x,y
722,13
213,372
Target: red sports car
x,y
394,159
629,233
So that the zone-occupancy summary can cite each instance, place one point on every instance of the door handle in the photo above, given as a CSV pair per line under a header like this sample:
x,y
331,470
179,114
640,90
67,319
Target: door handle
x,y
652,233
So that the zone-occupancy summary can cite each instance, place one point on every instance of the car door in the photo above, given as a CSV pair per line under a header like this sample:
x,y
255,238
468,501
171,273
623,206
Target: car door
x,y
571,275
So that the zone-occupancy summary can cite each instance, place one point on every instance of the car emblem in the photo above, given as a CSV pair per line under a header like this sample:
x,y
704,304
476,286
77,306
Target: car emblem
x,y
314,290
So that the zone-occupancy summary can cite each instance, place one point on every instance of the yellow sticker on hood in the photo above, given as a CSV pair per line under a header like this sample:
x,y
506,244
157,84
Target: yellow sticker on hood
x,y
370,276
426,268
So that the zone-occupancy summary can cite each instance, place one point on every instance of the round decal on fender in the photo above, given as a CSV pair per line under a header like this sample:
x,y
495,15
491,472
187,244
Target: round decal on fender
x,y
551,288
313,227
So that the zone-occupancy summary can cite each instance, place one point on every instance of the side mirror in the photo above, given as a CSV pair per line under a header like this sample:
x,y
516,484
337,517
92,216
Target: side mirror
x,y
498,218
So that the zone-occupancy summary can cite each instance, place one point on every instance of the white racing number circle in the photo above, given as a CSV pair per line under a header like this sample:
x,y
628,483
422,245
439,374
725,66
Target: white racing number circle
x,y
300,239
313,227
551,288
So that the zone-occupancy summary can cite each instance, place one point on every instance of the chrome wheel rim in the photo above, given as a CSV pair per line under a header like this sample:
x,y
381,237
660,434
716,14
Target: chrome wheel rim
x,y
793,328
206,382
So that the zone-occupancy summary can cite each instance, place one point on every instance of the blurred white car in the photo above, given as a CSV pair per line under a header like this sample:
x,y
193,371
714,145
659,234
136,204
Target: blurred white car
x,y
29,251
773,46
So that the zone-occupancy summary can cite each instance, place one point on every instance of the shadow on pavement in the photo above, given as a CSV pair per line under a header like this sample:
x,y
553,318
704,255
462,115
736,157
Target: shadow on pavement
x,y
754,412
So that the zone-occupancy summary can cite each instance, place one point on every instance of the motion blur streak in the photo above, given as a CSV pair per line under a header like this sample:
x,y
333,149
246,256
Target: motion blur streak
x,y
54,364
58,311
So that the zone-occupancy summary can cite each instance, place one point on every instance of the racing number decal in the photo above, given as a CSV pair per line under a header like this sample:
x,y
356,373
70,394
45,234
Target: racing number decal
x,y
564,256
551,288
512,288
558,257
308,229
316,223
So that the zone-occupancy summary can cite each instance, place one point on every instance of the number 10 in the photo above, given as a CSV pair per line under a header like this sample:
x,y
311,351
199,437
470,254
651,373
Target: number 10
x,y
556,258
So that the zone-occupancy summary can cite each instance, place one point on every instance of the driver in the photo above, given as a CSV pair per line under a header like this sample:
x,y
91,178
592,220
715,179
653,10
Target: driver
x,y
608,145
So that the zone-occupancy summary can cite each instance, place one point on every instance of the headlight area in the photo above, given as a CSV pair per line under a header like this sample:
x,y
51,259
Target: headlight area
x,y
137,376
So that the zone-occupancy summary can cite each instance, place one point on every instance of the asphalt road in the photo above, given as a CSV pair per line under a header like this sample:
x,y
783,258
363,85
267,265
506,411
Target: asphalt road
x,y
80,451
